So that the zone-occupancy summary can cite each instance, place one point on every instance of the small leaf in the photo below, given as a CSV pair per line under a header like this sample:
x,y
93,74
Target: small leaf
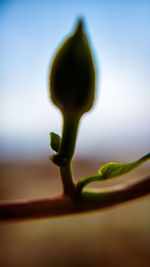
x,y
55,141
58,160
111,170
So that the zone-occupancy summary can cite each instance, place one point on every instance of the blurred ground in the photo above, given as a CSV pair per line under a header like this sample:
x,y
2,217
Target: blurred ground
x,y
115,237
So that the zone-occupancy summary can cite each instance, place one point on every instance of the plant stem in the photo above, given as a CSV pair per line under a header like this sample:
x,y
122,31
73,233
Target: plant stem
x,y
63,205
69,135
67,180
66,151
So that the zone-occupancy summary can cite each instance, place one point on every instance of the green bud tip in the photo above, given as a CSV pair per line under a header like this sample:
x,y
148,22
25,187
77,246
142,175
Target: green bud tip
x,y
79,29
72,74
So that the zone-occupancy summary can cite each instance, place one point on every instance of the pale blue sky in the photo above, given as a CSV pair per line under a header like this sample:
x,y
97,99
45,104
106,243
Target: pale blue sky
x,y
119,33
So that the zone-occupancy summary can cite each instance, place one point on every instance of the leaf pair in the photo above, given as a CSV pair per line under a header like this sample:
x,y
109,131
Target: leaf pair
x,y
107,171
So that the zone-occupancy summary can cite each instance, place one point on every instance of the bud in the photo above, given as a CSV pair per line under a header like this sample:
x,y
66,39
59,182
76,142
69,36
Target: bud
x,y
72,75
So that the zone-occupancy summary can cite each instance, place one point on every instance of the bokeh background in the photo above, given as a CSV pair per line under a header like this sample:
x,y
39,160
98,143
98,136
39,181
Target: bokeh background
x,y
117,129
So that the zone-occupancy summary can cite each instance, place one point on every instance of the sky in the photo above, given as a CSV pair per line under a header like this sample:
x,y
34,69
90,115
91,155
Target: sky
x,y
119,35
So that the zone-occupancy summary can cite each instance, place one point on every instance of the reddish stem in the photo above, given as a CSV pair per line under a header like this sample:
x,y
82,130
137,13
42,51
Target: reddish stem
x,y
63,205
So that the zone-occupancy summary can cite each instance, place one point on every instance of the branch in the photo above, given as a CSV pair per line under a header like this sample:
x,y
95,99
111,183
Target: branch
x,y
63,205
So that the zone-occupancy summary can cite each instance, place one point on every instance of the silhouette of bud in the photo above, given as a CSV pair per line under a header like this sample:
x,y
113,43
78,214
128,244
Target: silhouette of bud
x,y
72,75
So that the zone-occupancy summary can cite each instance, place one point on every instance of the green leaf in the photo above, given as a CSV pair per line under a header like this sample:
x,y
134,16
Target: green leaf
x,y
55,141
111,170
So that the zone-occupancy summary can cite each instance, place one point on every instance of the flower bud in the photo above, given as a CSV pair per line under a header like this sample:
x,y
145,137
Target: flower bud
x,y
72,75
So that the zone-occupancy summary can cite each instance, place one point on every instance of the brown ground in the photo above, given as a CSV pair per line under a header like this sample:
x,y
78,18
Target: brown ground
x,y
116,237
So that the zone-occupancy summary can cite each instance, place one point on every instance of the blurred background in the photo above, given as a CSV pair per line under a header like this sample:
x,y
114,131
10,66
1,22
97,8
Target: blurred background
x,y
31,32
116,129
